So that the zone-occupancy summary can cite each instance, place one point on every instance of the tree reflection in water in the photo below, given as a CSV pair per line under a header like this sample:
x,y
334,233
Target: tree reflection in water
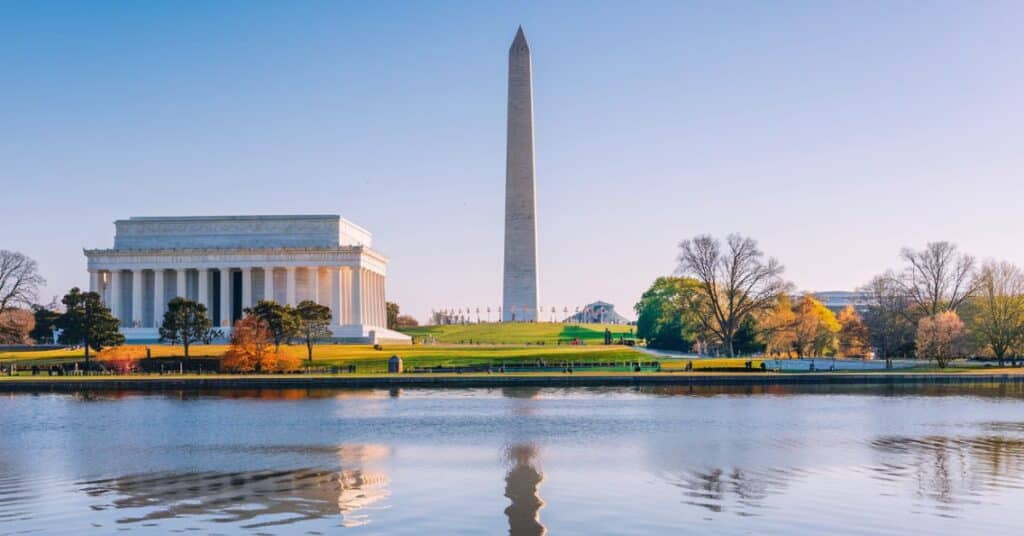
x,y
714,488
522,483
950,472
254,499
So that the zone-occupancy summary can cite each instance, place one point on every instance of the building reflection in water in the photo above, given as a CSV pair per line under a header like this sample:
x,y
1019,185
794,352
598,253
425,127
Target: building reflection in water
x,y
254,499
522,487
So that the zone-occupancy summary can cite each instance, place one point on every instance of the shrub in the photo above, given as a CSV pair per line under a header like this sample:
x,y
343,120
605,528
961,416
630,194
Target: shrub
x,y
122,359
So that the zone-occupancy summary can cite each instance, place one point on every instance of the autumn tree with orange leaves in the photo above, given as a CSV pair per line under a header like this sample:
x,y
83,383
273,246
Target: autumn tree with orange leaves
x,y
853,334
122,359
252,349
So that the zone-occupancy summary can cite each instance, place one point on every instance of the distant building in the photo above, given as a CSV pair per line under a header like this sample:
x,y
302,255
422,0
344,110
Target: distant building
x,y
837,300
598,312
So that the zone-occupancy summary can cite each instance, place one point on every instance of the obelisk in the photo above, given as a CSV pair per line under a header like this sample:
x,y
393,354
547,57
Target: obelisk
x,y
520,294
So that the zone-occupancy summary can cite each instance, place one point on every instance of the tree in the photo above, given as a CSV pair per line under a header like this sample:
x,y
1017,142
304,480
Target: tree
x,y
815,328
251,351
938,278
747,340
15,326
405,322
46,320
314,322
666,314
941,337
996,313
853,334
185,322
778,327
280,319
890,329
19,280
392,309
735,282
88,322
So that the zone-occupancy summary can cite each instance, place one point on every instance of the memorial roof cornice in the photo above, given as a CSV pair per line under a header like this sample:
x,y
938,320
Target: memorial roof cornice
x,y
234,251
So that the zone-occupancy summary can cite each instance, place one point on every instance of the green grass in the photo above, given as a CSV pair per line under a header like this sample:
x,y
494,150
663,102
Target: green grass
x,y
368,360
518,332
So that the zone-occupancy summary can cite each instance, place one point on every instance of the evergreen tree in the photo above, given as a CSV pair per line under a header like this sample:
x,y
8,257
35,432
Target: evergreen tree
x,y
46,319
314,322
185,322
88,322
281,320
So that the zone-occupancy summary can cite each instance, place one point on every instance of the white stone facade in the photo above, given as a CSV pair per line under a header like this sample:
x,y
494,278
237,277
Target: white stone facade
x,y
520,290
229,263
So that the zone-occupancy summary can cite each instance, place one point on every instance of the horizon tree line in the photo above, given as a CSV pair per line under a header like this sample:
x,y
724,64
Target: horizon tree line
x,y
729,298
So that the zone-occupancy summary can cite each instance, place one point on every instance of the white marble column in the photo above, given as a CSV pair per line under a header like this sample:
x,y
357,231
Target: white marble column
x,y
246,287
378,303
137,298
370,298
374,299
179,289
383,300
94,281
346,295
203,292
115,295
159,301
314,283
335,276
357,296
225,297
289,298
268,283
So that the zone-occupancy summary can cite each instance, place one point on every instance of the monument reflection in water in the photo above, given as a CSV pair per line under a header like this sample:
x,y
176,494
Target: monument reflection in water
x,y
522,487
254,499
263,499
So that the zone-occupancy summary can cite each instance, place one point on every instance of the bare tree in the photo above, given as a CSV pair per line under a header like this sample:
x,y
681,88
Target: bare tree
x,y
890,329
996,313
938,278
735,281
19,280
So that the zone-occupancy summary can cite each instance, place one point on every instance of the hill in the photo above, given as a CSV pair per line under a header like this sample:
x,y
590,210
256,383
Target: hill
x,y
518,333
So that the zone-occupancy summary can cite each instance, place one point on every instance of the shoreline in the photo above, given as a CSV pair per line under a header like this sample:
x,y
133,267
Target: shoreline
x,y
467,381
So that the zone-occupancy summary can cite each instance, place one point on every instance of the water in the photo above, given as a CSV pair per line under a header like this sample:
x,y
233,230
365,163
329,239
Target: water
x,y
854,460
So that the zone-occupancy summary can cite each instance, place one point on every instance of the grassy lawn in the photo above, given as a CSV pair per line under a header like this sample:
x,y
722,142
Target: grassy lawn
x,y
518,333
368,360
717,363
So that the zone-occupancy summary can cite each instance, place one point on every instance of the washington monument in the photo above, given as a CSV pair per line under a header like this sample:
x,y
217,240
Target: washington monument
x,y
520,294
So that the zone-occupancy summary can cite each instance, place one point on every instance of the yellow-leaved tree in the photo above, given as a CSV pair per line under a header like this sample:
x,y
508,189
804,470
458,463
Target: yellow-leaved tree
x,y
815,330
853,334
776,327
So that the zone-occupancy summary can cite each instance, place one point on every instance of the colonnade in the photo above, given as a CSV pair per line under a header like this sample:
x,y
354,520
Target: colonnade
x,y
139,296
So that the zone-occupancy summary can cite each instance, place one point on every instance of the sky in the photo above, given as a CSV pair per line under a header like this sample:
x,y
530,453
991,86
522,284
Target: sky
x,y
834,133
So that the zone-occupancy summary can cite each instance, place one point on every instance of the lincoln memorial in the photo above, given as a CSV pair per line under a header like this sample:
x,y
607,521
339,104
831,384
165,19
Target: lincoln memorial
x,y
229,263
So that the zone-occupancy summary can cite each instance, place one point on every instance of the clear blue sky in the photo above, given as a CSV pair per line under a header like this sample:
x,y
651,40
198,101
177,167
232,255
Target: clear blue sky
x,y
834,133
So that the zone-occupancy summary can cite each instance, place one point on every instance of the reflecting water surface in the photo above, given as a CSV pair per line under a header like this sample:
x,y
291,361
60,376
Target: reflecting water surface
x,y
836,459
